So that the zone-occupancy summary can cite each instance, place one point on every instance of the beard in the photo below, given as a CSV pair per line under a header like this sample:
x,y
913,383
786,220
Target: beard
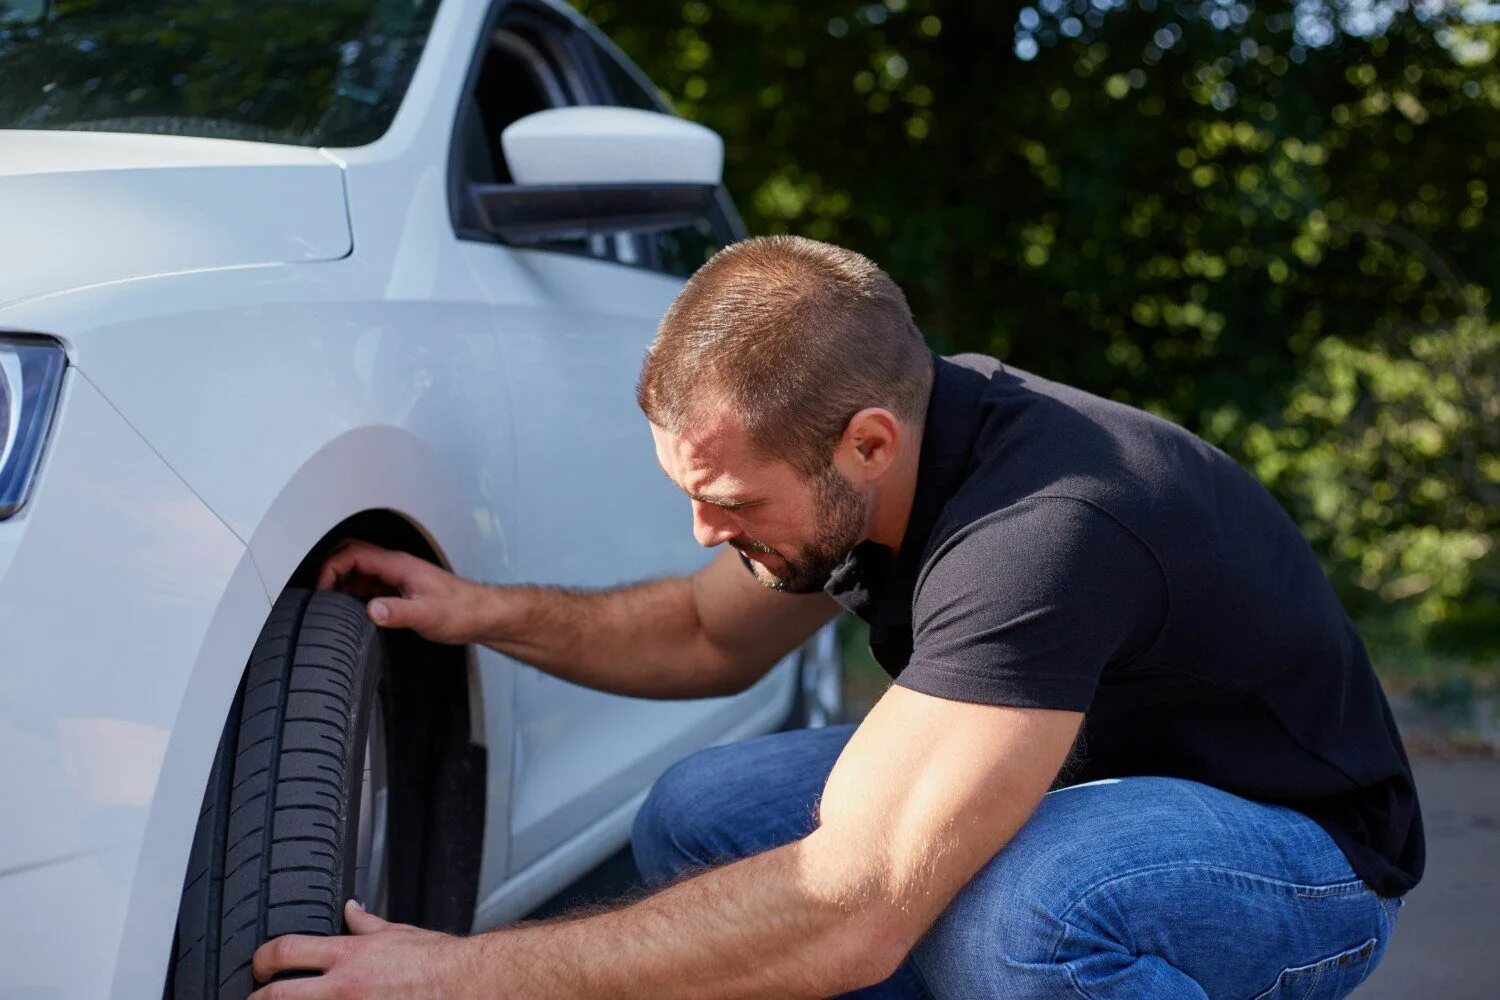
x,y
842,513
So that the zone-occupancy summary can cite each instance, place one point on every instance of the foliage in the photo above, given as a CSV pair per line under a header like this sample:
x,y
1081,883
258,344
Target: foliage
x,y
1270,222
1390,454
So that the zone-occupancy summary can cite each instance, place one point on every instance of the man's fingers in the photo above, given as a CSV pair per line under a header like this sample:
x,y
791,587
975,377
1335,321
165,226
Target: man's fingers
x,y
361,921
294,951
314,988
338,564
328,576
338,561
361,557
398,612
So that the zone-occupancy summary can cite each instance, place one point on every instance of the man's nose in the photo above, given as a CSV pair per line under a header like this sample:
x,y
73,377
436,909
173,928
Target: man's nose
x,y
712,525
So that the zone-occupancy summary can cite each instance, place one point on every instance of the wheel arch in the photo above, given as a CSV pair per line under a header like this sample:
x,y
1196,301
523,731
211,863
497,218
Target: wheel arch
x,y
442,681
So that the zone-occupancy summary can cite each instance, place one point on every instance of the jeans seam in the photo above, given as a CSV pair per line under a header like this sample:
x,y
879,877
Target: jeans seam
x,y
1072,976
1300,889
1347,888
1057,945
1073,982
1323,966
1065,918
1391,907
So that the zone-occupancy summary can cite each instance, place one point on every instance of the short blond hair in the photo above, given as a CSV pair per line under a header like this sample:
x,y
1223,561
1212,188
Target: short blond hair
x,y
794,337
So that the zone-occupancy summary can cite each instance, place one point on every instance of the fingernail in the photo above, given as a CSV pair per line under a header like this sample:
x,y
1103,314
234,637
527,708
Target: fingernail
x,y
378,611
357,904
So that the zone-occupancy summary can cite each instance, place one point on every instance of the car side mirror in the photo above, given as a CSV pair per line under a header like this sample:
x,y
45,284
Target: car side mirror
x,y
585,171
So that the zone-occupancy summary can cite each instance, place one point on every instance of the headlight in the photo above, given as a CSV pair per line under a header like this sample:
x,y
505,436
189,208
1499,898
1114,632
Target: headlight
x,y
30,374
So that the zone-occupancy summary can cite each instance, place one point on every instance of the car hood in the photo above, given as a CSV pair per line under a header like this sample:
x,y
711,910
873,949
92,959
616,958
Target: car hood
x,y
82,208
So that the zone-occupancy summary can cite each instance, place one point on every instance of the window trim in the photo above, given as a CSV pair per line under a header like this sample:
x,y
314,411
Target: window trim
x,y
521,48
554,27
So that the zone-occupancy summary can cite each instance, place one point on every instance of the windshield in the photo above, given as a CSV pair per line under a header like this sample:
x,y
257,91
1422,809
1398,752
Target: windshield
x,y
302,72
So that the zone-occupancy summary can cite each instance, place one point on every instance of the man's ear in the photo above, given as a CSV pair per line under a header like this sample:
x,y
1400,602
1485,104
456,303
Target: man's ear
x,y
872,439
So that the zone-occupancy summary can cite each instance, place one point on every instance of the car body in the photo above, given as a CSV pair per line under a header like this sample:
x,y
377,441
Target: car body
x,y
270,346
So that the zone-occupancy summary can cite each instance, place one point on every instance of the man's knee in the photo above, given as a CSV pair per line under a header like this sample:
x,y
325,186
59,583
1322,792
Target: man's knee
x,y
1148,887
1006,921
731,801
1006,929
671,834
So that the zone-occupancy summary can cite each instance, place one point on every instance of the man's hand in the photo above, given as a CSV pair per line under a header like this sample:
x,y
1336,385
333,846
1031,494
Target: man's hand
x,y
406,592
377,960
836,911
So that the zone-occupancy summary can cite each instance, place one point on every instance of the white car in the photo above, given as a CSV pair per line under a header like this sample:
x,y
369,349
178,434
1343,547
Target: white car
x,y
274,275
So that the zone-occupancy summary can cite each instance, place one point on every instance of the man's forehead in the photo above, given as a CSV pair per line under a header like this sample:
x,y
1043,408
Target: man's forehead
x,y
711,432
712,448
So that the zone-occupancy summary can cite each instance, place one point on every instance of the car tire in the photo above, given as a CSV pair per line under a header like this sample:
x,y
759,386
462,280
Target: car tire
x,y
278,838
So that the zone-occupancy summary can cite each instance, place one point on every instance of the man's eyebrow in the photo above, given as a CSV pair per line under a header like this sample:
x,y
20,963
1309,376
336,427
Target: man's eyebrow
x,y
728,503
725,502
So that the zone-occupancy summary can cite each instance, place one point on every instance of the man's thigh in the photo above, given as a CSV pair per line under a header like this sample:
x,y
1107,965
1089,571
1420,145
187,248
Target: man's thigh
x,y
1164,888
735,800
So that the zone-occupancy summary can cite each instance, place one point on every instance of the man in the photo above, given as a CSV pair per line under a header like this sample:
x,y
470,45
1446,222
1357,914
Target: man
x,y
1070,593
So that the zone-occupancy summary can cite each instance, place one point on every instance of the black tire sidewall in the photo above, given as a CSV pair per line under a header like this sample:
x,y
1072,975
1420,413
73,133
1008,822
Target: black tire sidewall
x,y
276,846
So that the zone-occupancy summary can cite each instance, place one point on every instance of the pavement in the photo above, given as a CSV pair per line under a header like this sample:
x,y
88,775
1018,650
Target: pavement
x,y
1445,942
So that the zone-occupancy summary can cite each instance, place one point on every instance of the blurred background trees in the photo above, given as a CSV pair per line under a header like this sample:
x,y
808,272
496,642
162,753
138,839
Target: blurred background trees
x,y
1269,222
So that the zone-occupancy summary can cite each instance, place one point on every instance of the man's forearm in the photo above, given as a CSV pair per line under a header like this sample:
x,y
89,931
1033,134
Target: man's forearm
x,y
642,640
786,923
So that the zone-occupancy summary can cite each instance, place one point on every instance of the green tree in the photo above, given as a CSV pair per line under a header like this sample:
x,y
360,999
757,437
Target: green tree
x,y
1221,211
1390,454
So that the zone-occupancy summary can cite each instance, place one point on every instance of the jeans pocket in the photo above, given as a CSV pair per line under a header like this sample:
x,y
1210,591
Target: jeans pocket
x,y
1327,979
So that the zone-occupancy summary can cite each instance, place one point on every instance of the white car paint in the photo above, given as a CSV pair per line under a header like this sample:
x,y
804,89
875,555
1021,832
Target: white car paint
x,y
84,208
264,340
619,145
121,594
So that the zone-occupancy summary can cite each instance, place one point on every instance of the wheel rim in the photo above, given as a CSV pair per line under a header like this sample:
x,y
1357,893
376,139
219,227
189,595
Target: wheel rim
x,y
823,680
371,864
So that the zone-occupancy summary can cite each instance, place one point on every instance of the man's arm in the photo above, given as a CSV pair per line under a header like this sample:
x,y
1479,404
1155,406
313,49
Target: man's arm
x,y
715,632
926,792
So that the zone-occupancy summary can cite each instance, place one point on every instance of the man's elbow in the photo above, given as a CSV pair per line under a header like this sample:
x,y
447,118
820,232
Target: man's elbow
x,y
732,672
870,948
869,929
737,676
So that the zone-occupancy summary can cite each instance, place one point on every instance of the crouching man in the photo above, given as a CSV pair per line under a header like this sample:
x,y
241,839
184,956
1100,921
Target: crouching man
x,y
1134,747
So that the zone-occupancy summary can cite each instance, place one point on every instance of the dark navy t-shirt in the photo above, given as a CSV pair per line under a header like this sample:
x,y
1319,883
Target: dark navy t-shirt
x,y
1069,552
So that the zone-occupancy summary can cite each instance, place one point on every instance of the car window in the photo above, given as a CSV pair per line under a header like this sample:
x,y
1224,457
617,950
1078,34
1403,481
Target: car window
x,y
627,84
528,66
682,250
518,77
299,72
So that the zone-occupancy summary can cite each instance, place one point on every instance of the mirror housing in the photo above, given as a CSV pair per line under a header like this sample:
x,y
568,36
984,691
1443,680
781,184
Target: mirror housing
x,y
587,171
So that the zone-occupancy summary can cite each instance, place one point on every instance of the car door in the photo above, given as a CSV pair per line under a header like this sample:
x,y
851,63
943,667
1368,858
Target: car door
x,y
573,321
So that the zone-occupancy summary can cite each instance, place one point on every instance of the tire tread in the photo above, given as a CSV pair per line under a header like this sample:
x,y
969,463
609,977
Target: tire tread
x,y
267,856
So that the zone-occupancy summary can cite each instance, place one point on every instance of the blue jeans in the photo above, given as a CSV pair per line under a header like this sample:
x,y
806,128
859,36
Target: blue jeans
x,y
1133,888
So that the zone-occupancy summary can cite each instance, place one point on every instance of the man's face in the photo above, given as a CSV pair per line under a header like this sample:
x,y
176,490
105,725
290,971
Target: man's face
x,y
793,530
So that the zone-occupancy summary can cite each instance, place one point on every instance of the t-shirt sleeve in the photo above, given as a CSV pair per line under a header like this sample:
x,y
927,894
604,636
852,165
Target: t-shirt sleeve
x,y
1027,606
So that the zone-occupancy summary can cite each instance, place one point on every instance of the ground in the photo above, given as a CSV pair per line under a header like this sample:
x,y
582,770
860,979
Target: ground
x,y
1444,944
